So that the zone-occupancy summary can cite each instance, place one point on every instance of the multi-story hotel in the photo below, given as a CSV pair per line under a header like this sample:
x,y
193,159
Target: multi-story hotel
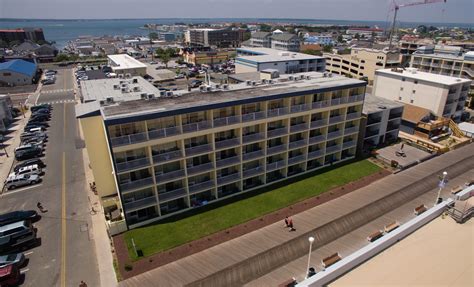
x,y
155,154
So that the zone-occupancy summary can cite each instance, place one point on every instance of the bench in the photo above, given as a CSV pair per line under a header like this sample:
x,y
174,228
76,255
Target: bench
x,y
328,261
288,283
392,226
420,209
374,236
456,189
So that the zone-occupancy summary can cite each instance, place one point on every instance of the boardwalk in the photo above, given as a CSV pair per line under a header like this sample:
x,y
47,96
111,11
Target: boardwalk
x,y
253,255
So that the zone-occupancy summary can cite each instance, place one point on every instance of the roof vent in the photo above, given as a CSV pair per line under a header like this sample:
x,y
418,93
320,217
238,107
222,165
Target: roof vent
x,y
125,90
302,77
202,88
291,78
135,81
248,82
101,102
136,89
162,93
264,81
109,100
169,94
218,86
254,83
225,86
208,88
150,96
143,96
116,87
308,77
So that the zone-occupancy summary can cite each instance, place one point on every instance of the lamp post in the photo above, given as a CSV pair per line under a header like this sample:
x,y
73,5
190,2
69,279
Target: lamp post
x,y
441,185
311,240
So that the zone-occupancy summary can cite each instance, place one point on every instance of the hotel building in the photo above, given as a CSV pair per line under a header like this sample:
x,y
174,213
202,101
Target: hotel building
x,y
155,154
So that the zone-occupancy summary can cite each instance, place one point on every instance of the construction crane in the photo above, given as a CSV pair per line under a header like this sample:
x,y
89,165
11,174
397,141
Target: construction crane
x,y
396,7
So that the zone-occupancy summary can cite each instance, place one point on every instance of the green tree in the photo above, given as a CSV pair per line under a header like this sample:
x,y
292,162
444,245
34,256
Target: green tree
x,y
327,48
265,28
61,58
340,38
164,58
312,52
247,36
357,36
153,36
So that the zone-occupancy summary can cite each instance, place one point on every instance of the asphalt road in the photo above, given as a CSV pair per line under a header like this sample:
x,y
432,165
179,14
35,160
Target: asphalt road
x,y
59,92
67,252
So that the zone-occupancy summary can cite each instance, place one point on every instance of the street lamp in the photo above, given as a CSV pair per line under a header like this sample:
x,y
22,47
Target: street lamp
x,y
311,240
441,185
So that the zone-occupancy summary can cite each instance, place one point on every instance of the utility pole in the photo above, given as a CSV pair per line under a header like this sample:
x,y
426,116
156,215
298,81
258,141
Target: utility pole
x,y
441,185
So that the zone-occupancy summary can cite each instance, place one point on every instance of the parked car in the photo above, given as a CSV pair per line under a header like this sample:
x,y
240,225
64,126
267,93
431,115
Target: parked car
x,y
179,76
35,125
19,215
42,106
16,234
10,276
21,180
53,72
28,170
29,153
37,136
39,142
195,83
39,118
48,81
17,259
36,161
34,129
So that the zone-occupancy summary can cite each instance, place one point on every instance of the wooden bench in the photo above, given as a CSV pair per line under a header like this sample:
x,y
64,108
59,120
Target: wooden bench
x,y
288,283
374,236
392,226
456,189
328,261
420,209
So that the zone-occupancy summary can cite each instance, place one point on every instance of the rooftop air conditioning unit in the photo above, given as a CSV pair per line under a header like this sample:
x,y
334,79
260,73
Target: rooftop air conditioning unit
x,y
151,96
120,76
270,81
135,81
109,100
143,96
330,75
128,75
125,90
264,81
122,82
136,89
218,86
169,94
254,83
225,87
202,88
208,88
248,82
116,87
302,77
308,77
101,102
291,78
162,93
325,74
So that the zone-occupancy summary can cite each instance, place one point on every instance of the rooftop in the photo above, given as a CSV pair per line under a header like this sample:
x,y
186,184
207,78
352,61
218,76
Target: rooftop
x,y
19,66
413,73
124,61
264,55
373,104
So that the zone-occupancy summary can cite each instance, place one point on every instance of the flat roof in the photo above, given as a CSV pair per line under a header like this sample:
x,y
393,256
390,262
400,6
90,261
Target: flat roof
x,y
415,74
266,55
373,104
124,61
440,56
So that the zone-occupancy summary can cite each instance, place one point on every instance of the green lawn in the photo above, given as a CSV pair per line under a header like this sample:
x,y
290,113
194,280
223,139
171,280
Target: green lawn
x,y
172,233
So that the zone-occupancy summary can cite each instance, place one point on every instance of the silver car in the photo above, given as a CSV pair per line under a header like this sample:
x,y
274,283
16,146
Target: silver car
x,y
13,182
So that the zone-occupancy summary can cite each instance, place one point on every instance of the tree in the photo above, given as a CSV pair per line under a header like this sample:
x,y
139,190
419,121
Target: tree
x,y
327,48
265,28
153,36
312,52
61,58
340,38
247,36
357,36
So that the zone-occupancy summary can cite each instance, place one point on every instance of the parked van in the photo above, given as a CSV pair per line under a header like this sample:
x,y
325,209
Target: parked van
x,y
15,181
33,169
16,234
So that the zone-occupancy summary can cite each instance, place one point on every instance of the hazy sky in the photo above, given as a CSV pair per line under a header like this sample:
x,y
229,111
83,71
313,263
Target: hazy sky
x,y
452,11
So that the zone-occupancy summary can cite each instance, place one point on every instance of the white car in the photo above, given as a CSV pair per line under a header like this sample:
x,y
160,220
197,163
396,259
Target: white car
x,y
33,169
21,180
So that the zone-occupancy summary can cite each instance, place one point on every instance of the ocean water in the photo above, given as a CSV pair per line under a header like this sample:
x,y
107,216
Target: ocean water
x,y
62,31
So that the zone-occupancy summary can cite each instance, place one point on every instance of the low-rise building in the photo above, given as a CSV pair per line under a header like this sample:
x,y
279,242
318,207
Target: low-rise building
x,y
276,40
204,57
123,64
313,38
367,32
155,154
261,39
17,73
444,96
259,59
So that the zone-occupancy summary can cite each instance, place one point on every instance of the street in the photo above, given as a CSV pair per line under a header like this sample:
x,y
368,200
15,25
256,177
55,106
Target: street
x,y
66,254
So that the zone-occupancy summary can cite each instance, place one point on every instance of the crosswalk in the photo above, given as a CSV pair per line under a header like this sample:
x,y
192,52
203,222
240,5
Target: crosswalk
x,y
56,91
57,102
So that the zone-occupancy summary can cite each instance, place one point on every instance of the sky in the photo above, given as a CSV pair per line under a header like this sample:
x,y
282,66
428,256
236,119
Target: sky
x,y
454,11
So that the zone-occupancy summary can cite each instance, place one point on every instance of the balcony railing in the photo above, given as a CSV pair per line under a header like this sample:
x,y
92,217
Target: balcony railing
x,y
394,116
315,154
199,126
253,137
353,115
227,161
298,127
201,186
348,144
296,159
253,116
219,122
172,175
277,112
338,101
333,148
227,143
392,127
320,104
369,133
277,132
318,123
253,171
162,133
127,186
276,149
173,194
336,119
132,164
317,139
297,144
198,149
228,178
355,98
139,204
129,139
334,134
444,66
167,156
351,130
252,155
199,168
275,165
300,108
371,121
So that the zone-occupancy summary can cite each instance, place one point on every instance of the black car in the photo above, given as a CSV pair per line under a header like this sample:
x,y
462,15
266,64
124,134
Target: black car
x,y
36,125
42,112
30,153
39,107
195,83
40,119
16,216
37,161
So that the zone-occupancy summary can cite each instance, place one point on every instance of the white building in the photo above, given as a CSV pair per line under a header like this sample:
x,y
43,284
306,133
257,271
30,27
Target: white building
x,y
259,59
123,64
444,96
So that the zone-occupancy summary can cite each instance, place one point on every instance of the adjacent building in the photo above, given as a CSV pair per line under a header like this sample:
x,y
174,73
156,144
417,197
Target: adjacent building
x,y
207,56
22,34
361,62
6,116
220,38
366,32
123,64
17,73
155,154
314,38
443,95
276,40
259,59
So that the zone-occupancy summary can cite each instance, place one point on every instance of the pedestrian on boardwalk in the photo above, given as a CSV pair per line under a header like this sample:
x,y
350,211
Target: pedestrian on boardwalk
x,y
83,284
286,221
290,224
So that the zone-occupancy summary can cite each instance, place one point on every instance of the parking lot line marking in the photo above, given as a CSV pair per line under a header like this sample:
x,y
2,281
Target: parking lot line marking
x,y
63,221
23,271
21,189
28,253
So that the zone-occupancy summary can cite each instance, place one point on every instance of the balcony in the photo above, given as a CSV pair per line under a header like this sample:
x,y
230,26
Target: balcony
x,y
320,104
253,137
298,127
276,149
369,133
139,204
297,144
352,116
253,171
227,161
162,133
318,123
199,126
300,108
129,139
253,116
373,120
228,178
277,132
317,139
338,101
336,119
220,122
205,167
395,116
334,134
173,194
436,65
444,66
333,148
348,144
227,143
351,130
162,157
391,127
135,184
132,164
253,155
296,159
275,165
167,176
315,154
277,112
202,148
197,187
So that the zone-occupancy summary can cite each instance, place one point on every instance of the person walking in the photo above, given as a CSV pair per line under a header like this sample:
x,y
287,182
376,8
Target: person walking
x,y
290,224
83,284
286,221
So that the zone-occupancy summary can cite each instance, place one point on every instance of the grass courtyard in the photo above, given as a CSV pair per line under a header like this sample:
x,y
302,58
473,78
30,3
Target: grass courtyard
x,y
172,233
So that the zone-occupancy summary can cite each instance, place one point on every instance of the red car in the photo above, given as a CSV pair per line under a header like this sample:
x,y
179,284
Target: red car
x,y
9,276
